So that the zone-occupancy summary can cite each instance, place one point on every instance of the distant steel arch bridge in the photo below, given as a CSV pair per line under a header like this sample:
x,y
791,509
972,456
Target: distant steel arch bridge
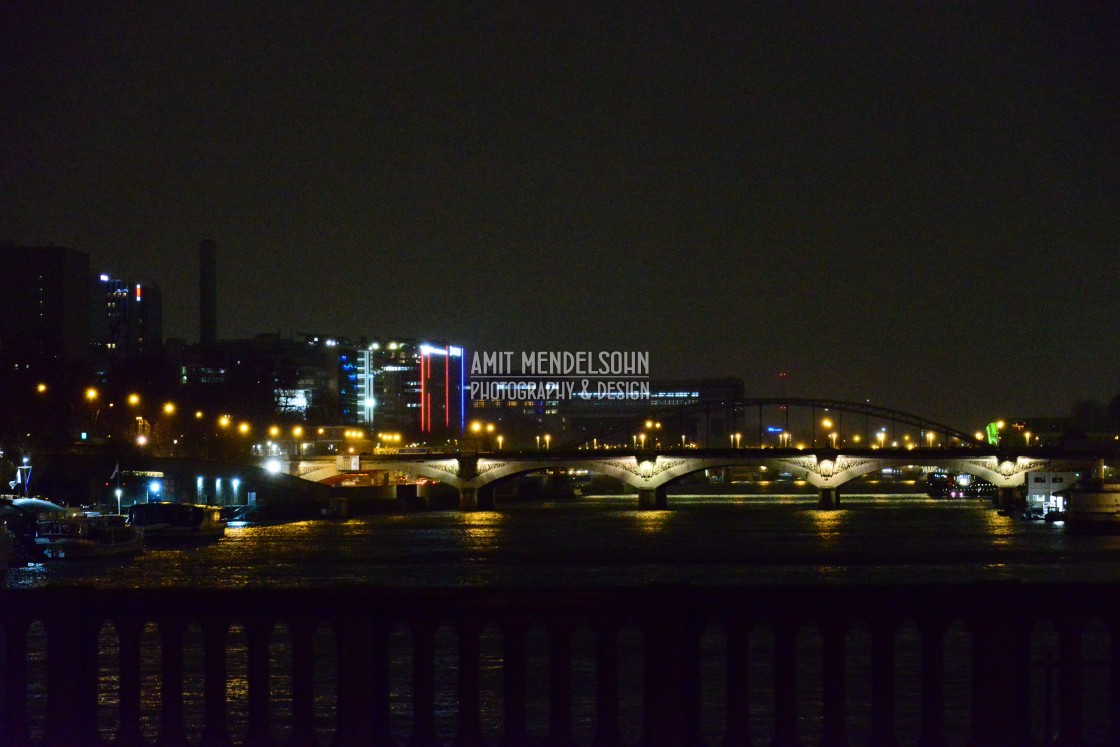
x,y
863,413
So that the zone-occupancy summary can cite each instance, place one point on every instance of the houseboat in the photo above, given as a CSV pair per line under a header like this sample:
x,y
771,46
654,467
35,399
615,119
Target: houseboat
x,y
166,522
80,537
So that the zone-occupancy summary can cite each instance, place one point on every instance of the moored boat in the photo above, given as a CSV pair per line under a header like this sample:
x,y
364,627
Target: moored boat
x,y
81,537
177,522
1094,508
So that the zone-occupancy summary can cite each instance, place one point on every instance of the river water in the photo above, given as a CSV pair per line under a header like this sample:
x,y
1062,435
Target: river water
x,y
606,541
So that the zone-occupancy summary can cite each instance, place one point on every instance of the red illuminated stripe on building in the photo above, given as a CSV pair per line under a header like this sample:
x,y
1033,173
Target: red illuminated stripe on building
x,y
447,388
423,393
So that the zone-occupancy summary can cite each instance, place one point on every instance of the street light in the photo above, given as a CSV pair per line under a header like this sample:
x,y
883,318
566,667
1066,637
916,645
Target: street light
x,y
547,441
501,438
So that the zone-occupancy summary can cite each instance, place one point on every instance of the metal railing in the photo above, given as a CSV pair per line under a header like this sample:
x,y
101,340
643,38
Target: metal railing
x,y
999,617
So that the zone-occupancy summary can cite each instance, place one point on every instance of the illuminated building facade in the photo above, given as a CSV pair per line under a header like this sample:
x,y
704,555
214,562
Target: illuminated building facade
x,y
126,320
692,411
416,388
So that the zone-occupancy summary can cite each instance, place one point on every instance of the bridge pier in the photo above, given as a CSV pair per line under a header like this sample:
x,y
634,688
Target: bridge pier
x,y
653,498
829,498
1010,498
468,499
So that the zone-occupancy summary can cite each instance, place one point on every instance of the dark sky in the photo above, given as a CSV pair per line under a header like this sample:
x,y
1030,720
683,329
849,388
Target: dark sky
x,y
911,204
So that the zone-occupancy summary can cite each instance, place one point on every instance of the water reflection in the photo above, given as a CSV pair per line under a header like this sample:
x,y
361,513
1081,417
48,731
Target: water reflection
x,y
594,542
481,529
828,522
653,521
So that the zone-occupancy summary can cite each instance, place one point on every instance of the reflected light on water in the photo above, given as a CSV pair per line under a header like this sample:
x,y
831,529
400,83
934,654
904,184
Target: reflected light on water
x,y
481,529
827,522
653,522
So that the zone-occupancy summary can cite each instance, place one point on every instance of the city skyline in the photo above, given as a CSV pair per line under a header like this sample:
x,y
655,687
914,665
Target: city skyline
x,y
910,205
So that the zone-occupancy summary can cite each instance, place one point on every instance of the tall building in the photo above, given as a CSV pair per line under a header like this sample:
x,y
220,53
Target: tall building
x,y
208,293
126,320
44,307
416,388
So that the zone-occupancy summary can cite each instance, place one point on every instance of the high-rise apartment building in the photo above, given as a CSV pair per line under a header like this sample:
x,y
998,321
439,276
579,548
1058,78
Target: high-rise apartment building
x,y
44,307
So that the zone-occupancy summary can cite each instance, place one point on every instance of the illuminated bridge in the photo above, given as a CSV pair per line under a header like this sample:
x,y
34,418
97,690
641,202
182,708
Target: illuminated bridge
x,y
827,443
651,473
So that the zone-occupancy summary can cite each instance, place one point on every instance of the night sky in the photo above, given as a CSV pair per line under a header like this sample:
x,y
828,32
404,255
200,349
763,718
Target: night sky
x,y
915,205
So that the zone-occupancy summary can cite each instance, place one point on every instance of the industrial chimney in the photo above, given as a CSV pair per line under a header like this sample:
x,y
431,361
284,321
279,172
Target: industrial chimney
x,y
208,292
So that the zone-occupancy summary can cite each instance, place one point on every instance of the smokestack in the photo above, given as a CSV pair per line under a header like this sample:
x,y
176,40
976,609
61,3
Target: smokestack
x,y
208,292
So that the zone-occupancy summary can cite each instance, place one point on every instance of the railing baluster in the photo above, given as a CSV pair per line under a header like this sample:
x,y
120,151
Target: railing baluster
x,y
14,730
171,690
833,729
128,639
1000,667
514,684
606,683
214,682
1114,682
671,708
423,682
882,683
256,634
738,733
363,676
378,703
469,732
71,679
303,680
560,684
932,631
785,682
1070,695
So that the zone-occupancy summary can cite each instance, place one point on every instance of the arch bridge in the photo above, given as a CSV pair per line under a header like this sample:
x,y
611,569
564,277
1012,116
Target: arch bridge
x,y
652,472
